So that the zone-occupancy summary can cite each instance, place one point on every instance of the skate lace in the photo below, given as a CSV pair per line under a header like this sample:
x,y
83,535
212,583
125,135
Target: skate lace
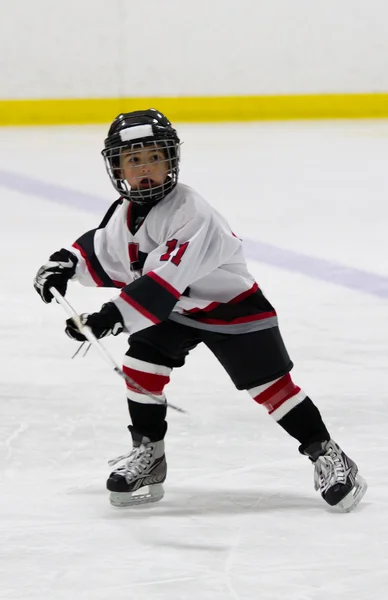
x,y
136,461
329,470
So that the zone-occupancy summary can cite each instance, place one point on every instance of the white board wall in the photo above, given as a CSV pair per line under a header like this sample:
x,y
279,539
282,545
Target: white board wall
x,y
125,48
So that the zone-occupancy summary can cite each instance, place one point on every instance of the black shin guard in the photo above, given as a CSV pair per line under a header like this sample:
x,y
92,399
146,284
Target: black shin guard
x,y
148,419
304,423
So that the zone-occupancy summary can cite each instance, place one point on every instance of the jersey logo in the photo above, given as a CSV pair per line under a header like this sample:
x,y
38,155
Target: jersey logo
x,y
133,252
65,265
137,258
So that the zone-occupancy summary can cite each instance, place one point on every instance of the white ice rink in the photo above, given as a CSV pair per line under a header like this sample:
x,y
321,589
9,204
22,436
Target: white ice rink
x,y
240,519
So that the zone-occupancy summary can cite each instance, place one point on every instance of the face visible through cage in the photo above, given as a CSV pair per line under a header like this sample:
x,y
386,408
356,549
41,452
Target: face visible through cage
x,y
144,167
144,171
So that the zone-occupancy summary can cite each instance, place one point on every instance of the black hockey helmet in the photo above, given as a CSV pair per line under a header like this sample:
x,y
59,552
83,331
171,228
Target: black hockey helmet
x,y
135,131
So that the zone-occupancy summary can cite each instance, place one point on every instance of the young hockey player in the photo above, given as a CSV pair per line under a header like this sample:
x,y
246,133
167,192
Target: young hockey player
x,y
183,280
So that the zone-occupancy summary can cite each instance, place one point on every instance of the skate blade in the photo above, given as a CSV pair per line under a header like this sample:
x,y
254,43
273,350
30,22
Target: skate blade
x,y
354,497
144,495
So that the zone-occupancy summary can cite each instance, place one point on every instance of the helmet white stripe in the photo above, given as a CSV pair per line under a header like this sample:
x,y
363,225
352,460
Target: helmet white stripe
x,y
134,133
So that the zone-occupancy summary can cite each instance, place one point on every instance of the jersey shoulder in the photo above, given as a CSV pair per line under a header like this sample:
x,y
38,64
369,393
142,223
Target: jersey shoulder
x,y
183,205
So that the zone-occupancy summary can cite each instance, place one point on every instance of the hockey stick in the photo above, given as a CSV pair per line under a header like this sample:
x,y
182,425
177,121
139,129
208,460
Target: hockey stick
x,y
87,332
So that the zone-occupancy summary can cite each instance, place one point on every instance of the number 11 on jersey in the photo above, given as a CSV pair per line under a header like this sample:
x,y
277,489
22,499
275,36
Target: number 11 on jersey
x,y
171,246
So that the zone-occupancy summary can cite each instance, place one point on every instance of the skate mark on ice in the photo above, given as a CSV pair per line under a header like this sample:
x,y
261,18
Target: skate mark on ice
x,y
200,502
14,435
289,260
235,544
161,582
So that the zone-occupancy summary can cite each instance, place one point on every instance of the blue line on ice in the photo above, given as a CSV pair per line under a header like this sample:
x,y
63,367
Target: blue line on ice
x,y
288,260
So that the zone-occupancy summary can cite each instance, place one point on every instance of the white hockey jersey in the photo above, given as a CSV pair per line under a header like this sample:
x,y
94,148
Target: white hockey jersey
x,y
178,260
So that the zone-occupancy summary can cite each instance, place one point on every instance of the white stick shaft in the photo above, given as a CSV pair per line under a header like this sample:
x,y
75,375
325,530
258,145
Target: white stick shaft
x,y
87,332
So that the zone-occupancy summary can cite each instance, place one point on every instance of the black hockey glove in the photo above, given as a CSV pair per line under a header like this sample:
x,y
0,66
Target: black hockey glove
x,y
108,321
55,273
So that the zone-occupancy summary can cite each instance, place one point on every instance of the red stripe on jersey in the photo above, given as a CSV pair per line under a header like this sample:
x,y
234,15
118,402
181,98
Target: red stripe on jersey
x,y
247,319
139,308
92,272
164,284
206,309
278,393
234,300
151,382
244,295
119,284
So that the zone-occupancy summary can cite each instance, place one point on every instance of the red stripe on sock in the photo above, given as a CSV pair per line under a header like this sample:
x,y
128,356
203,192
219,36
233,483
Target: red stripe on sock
x,y
277,403
151,382
278,393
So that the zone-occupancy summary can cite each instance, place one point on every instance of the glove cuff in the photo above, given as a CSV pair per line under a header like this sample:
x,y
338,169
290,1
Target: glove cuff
x,y
65,256
113,317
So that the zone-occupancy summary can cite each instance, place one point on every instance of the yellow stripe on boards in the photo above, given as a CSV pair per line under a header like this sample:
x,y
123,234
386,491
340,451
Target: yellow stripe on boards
x,y
196,109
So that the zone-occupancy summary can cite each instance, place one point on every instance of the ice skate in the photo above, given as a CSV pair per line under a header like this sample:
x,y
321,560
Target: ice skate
x,y
336,476
139,480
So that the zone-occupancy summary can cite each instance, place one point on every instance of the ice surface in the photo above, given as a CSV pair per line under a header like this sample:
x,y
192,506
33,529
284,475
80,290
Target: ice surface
x,y
240,518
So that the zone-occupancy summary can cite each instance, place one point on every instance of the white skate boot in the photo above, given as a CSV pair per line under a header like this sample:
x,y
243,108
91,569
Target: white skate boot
x,y
336,476
139,480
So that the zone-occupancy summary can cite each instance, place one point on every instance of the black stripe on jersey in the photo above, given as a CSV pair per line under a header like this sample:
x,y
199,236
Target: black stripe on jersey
x,y
111,210
86,243
254,304
151,296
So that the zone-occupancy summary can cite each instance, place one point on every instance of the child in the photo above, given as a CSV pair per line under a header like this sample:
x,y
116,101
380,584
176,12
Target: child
x,y
183,281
